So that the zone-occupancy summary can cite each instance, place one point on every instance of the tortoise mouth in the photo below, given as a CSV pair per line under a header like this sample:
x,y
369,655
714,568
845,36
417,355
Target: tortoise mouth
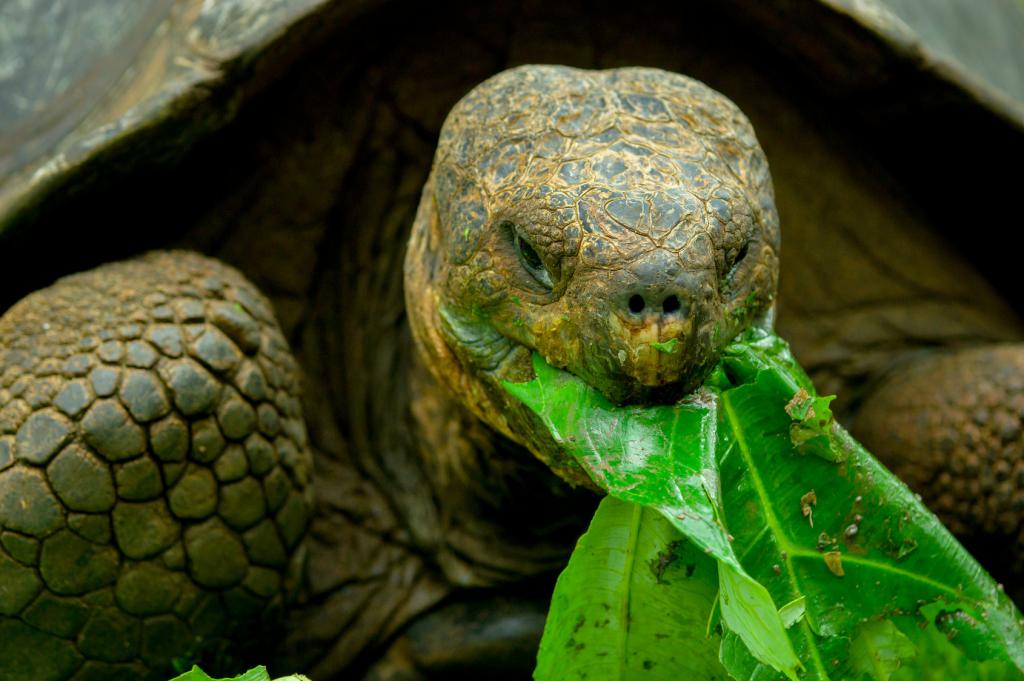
x,y
628,391
669,393
631,361
652,372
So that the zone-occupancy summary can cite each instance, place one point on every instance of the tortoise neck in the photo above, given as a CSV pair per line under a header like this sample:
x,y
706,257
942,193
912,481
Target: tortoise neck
x,y
504,515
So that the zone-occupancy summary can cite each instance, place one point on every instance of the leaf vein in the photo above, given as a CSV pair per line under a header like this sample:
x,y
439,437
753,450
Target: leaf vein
x,y
772,522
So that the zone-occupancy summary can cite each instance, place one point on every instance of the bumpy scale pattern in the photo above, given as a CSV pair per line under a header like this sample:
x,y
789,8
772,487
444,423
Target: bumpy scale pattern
x,y
956,421
154,468
613,163
620,178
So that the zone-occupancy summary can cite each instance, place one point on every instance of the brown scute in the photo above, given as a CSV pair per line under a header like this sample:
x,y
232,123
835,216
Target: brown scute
x,y
951,425
101,414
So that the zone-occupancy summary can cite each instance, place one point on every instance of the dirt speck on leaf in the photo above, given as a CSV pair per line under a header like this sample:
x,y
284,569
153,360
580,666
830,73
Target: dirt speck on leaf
x,y
661,562
834,563
807,503
795,408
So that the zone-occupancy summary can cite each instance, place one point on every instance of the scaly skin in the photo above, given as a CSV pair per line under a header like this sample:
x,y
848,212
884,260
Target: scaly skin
x,y
154,469
589,215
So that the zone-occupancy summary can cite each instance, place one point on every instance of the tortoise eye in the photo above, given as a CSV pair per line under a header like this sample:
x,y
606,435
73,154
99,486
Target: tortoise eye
x,y
529,254
732,266
740,254
532,262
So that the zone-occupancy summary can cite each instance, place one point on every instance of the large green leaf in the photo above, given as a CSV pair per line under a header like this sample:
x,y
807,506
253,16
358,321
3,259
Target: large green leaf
x,y
844,533
662,457
816,523
633,603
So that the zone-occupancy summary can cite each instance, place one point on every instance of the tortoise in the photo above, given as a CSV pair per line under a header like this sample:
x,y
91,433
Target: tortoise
x,y
278,141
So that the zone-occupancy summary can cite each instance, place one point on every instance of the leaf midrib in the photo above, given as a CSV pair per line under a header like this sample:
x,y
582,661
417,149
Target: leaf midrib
x,y
772,522
634,539
798,552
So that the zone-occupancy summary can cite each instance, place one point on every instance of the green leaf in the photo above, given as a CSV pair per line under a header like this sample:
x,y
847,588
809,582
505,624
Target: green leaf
x,y
666,346
878,649
812,426
662,457
197,674
873,551
812,423
632,603
834,536
748,611
793,612
254,674
939,659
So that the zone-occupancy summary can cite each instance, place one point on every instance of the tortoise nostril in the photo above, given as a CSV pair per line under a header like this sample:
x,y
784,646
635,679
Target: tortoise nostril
x,y
636,304
670,305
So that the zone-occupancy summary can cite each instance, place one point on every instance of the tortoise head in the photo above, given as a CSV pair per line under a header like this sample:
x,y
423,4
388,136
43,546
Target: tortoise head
x,y
620,223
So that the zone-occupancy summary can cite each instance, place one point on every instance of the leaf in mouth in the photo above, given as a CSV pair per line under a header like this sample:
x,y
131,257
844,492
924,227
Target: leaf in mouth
x,y
875,575
662,457
668,347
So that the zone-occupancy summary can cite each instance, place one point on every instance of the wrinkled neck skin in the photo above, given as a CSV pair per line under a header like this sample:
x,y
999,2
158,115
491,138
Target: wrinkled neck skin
x,y
450,341
502,515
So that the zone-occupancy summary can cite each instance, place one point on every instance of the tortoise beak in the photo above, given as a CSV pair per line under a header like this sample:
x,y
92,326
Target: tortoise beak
x,y
652,351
